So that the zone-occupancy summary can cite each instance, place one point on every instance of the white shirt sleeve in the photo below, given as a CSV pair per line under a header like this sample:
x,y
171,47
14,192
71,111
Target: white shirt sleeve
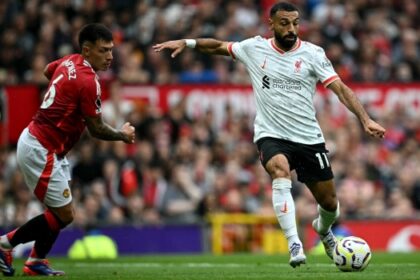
x,y
323,67
240,50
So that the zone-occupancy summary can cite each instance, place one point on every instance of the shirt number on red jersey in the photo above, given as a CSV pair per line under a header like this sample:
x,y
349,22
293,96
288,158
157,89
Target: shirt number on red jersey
x,y
50,94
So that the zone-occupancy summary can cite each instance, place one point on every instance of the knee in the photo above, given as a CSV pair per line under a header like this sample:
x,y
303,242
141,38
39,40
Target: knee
x,y
67,218
64,216
278,167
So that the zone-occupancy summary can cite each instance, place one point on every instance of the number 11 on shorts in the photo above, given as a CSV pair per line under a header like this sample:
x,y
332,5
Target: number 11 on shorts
x,y
321,158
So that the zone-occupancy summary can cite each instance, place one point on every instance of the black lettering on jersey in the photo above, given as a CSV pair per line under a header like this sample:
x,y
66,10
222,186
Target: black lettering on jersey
x,y
266,82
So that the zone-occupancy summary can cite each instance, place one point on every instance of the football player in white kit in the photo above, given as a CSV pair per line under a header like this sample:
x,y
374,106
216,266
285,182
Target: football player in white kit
x,y
284,72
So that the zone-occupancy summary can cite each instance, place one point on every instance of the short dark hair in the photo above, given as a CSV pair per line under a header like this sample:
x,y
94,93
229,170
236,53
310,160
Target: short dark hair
x,y
283,6
94,31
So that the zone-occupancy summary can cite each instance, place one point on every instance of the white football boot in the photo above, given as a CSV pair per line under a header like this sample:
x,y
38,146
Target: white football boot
x,y
328,239
297,256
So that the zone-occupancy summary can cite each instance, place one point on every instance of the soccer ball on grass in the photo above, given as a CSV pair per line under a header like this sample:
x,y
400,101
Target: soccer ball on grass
x,y
352,254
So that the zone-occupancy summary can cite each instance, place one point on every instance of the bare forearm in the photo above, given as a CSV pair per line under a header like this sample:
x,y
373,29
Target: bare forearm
x,y
204,45
106,132
350,100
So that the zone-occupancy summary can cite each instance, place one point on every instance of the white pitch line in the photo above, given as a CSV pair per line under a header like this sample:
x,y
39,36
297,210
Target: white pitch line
x,y
209,265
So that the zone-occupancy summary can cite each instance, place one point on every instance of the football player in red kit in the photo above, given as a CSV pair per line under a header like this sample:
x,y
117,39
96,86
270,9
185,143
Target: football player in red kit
x,y
72,102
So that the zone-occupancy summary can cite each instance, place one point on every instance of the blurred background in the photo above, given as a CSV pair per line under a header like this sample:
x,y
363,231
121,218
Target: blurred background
x,y
193,176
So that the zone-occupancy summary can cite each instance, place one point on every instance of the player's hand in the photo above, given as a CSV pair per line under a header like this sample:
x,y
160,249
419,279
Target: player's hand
x,y
374,129
177,46
128,130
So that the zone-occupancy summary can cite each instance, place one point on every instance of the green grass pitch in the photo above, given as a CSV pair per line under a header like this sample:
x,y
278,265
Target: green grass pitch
x,y
245,266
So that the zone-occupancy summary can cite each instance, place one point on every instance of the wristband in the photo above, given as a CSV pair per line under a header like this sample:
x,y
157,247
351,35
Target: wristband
x,y
190,43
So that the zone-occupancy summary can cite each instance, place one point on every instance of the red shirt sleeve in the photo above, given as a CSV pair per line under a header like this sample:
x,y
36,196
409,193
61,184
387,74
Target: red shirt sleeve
x,y
52,66
91,98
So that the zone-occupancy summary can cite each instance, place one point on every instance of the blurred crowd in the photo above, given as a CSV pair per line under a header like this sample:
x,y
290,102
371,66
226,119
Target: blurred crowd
x,y
180,169
367,40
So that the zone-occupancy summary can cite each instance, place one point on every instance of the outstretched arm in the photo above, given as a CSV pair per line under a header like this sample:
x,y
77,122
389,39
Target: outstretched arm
x,y
350,100
204,45
99,129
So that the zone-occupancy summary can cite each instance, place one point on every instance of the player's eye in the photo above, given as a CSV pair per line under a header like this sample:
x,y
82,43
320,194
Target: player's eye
x,y
105,50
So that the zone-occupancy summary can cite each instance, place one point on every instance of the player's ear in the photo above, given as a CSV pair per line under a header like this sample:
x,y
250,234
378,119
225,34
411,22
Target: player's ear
x,y
86,49
271,23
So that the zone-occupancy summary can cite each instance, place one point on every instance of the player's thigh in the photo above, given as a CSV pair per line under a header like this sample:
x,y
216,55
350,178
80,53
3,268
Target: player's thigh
x,y
28,159
58,192
45,174
274,156
312,164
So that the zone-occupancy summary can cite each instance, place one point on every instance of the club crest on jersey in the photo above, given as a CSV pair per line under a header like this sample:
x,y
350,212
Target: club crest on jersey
x,y
66,193
298,65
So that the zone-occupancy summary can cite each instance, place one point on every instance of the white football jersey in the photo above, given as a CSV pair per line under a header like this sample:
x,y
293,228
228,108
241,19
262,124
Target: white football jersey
x,y
284,85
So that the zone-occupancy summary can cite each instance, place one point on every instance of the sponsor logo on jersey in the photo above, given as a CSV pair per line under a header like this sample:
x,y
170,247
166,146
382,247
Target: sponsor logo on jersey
x,y
286,84
266,82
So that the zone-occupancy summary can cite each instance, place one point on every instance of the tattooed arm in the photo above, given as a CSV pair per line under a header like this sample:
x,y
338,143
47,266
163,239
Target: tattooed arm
x,y
99,129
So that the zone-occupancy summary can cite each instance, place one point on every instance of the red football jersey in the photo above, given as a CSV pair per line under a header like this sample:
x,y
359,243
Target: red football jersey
x,y
73,93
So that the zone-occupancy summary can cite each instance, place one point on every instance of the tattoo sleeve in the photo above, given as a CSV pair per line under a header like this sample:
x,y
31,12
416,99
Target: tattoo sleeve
x,y
99,129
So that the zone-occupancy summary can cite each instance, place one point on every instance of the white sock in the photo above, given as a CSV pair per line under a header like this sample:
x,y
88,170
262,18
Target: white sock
x,y
326,218
4,242
284,207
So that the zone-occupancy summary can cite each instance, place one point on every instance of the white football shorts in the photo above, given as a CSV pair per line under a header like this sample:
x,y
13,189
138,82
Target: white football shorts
x,y
46,175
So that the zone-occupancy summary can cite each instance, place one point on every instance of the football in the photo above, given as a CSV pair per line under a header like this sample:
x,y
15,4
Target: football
x,y
352,254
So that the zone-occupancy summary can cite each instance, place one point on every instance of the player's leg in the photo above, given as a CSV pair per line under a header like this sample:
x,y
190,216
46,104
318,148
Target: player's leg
x,y
47,176
277,166
315,171
57,219
24,154
329,211
60,213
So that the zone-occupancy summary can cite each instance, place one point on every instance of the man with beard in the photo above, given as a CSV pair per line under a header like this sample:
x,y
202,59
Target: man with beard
x,y
284,72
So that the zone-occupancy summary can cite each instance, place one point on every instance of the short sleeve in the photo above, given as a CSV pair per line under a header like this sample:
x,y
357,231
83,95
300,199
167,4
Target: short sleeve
x,y
91,98
241,50
323,67
53,65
